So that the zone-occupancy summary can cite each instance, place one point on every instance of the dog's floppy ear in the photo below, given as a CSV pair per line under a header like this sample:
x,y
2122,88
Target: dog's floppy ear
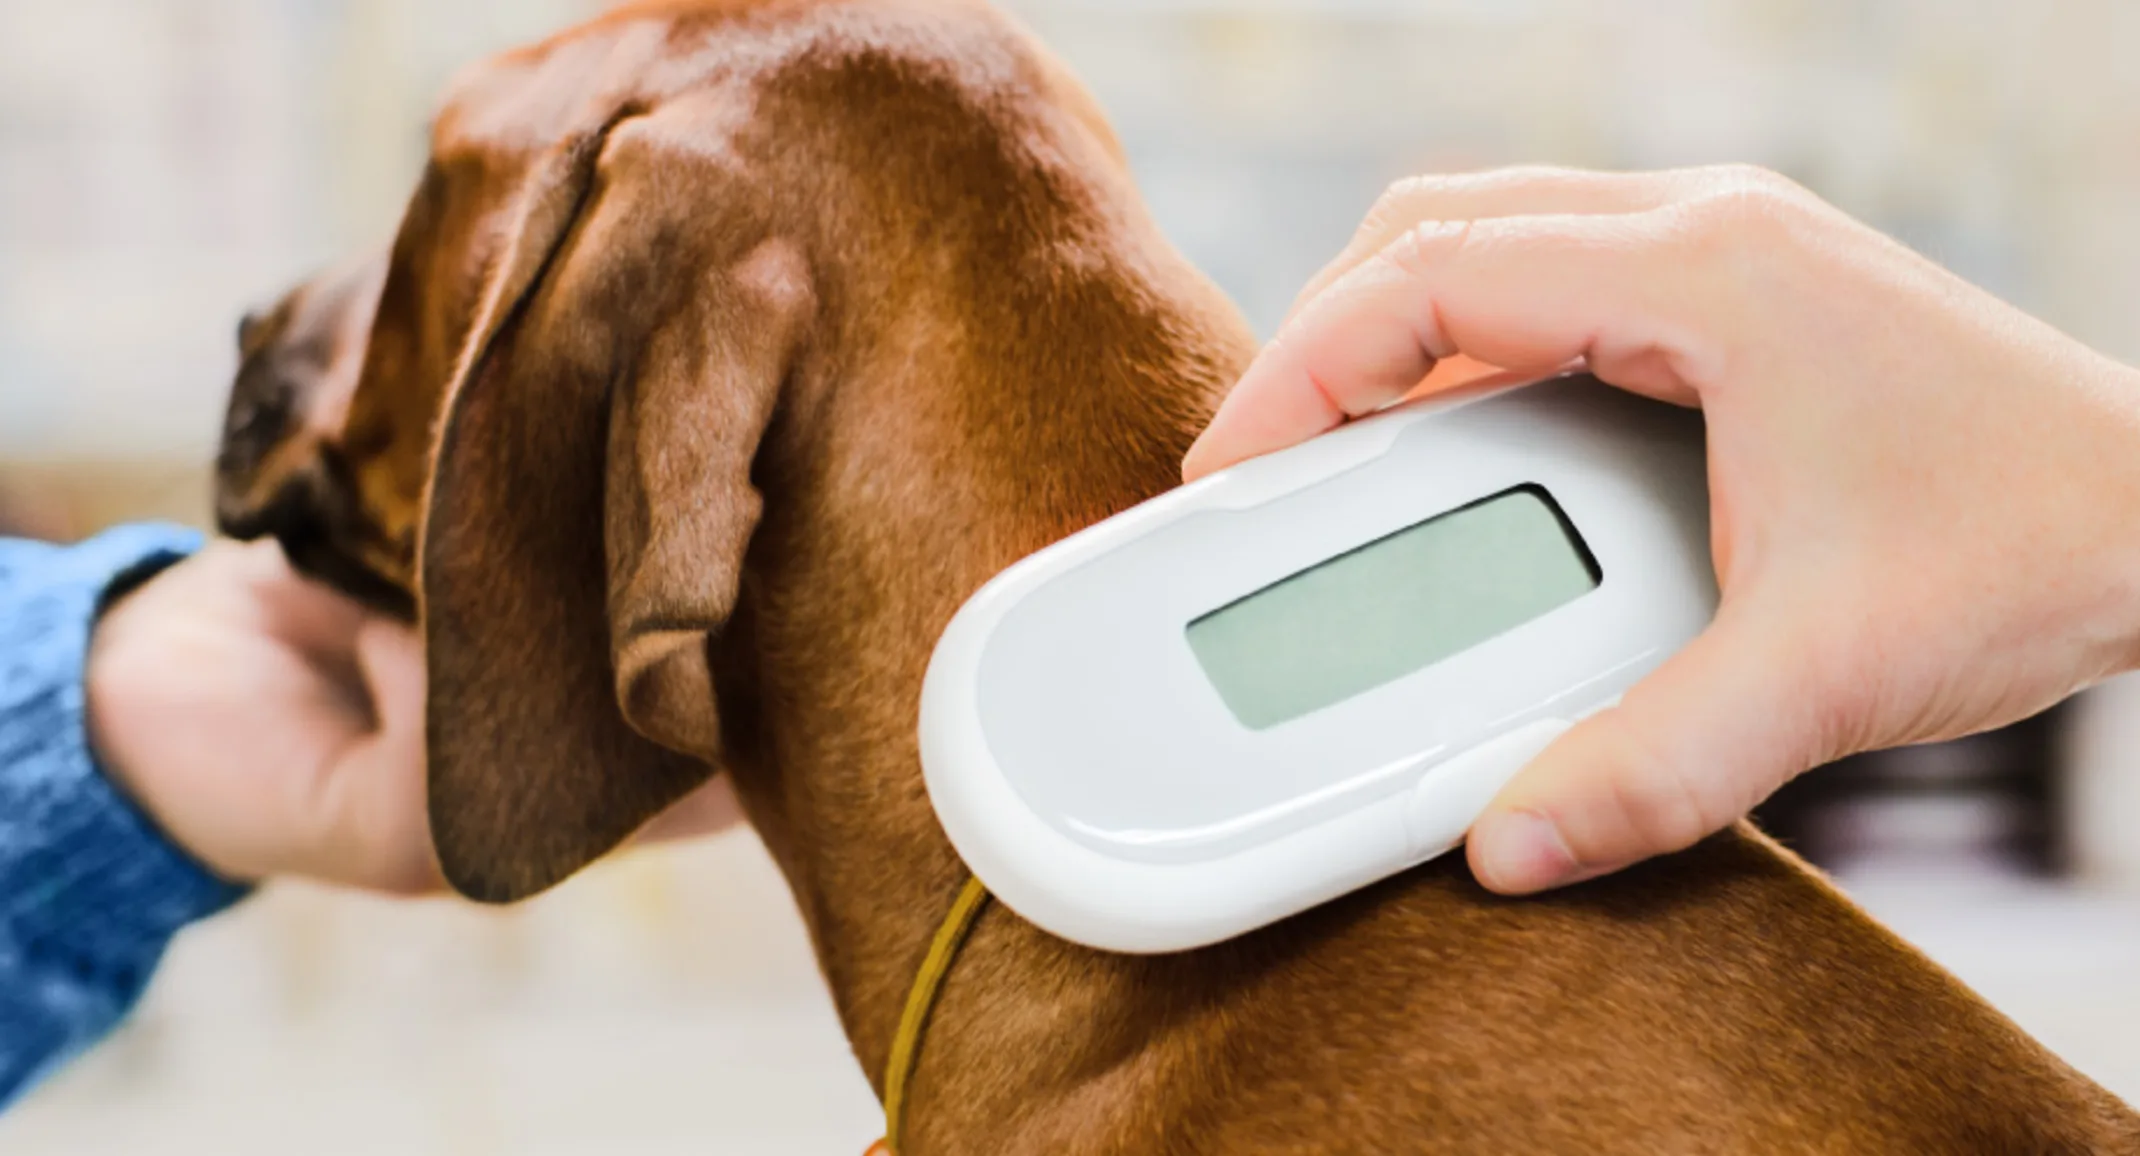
x,y
591,502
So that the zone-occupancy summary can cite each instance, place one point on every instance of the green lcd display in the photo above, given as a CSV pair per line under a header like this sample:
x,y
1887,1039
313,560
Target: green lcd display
x,y
1396,605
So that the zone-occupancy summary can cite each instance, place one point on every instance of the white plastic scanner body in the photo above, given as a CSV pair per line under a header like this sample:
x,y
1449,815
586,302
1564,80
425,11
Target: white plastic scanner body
x,y
1089,770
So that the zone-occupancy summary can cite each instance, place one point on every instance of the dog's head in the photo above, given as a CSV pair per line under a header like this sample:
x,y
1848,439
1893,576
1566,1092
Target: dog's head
x,y
639,259
578,338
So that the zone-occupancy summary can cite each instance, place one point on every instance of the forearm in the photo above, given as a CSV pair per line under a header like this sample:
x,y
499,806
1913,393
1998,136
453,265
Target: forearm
x,y
90,891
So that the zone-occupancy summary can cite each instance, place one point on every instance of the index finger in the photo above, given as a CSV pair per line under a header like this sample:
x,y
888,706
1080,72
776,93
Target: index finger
x,y
1528,294
1522,191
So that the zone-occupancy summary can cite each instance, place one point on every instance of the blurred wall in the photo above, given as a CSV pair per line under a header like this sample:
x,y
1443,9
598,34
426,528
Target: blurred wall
x,y
165,163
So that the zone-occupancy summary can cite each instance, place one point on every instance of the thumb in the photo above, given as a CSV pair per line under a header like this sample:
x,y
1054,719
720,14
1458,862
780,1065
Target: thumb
x,y
1689,750
378,832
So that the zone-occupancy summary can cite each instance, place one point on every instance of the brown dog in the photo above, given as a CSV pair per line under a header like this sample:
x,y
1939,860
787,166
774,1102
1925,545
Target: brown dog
x,y
725,348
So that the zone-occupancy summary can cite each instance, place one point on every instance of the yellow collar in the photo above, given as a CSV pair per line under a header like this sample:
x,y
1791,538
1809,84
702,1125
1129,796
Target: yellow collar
x,y
921,999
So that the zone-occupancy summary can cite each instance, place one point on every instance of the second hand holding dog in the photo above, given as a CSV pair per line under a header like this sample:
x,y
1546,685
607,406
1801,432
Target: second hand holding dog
x,y
274,727
1924,501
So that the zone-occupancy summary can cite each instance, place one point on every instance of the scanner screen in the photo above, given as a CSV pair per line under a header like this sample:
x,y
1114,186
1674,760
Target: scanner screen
x,y
1393,606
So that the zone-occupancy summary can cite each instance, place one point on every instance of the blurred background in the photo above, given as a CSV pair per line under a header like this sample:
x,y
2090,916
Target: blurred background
x,y
166,163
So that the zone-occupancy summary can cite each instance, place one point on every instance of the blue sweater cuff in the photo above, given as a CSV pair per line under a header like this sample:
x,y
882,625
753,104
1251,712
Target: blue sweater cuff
x,y
90,891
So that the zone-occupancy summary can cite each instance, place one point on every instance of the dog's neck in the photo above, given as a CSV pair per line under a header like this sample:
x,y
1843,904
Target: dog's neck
x,y
891,497
1006,351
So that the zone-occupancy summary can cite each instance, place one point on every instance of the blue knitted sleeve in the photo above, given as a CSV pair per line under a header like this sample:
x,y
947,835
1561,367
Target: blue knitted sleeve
x,y
90,890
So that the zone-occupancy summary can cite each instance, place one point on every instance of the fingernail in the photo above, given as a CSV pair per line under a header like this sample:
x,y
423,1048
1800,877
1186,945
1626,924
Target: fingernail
x,y
1518,852
1192,459
1197,462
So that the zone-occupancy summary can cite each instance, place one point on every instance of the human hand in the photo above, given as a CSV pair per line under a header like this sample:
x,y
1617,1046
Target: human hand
x,y
273,727
1925,505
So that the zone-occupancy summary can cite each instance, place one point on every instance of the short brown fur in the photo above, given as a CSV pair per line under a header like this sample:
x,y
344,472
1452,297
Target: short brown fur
x,y
766,332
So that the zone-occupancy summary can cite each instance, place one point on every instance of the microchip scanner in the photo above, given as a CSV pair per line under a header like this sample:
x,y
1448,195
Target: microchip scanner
x,y
1314,669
